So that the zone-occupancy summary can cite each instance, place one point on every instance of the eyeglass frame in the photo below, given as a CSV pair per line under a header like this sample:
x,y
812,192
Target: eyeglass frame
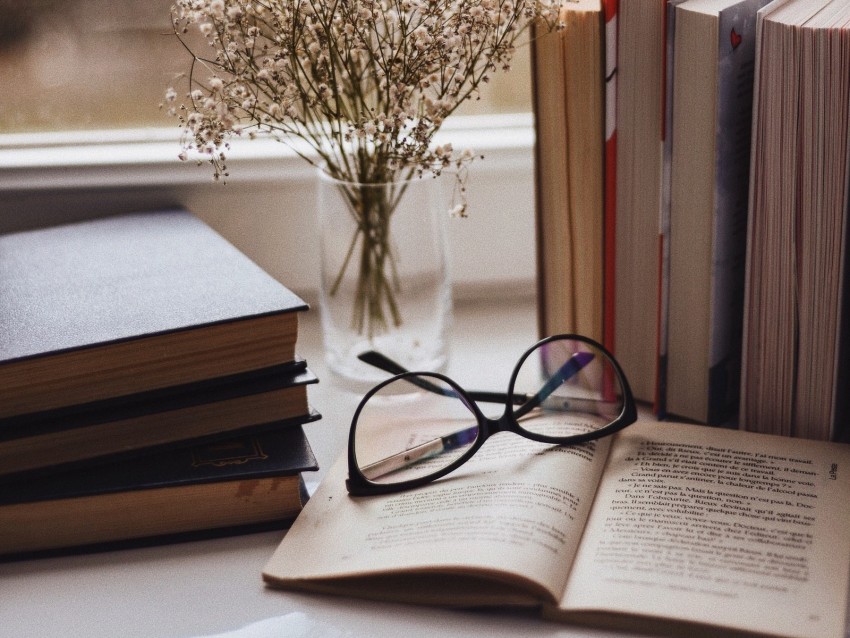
x,y
358,485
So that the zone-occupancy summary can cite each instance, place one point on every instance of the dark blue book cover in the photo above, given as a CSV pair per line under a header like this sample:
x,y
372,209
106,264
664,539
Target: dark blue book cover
x,y
130,303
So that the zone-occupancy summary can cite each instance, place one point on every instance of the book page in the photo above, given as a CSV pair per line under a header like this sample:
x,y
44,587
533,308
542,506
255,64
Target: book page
x,y
721,527
511,515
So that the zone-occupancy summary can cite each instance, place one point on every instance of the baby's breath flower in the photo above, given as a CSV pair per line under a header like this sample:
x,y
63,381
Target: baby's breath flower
x,y
459,210
366,84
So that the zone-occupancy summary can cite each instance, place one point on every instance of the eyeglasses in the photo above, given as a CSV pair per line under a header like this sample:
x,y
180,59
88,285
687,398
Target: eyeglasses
x,y
416,427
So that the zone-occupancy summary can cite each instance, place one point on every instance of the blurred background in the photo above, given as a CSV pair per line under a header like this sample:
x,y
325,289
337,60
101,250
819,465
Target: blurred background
x,y
95,64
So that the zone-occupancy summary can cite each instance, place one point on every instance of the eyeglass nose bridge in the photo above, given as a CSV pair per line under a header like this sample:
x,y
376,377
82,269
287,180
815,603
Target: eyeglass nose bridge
x,y
505,423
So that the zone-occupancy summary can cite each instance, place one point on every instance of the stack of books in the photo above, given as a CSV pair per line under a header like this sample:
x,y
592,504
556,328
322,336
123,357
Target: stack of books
x,y
149,385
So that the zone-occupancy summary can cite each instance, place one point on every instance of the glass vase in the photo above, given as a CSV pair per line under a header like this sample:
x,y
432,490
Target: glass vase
x,y
384,275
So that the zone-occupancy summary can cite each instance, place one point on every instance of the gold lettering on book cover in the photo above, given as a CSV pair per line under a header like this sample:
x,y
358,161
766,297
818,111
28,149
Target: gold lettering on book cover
x,y
226,453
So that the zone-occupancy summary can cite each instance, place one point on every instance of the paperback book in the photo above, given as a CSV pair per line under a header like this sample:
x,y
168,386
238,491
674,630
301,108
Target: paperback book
x,y
662,527
714,44
570,120
796,353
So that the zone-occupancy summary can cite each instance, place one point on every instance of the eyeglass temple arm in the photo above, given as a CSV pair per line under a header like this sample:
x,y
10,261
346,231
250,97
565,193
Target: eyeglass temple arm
x,y
386,364
528,403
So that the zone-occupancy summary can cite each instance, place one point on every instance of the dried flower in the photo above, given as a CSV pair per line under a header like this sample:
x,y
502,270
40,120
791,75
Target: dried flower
x,y
367,83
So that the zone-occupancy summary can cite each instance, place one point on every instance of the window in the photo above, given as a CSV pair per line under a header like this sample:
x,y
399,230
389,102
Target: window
x,y
93,64
82,66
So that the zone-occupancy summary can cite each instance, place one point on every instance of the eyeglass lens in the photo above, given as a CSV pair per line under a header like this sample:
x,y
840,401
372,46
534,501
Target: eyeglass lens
x,y
570,386
418,425
412,427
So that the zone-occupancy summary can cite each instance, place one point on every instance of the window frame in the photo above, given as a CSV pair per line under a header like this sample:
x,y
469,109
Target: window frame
x,y
92,159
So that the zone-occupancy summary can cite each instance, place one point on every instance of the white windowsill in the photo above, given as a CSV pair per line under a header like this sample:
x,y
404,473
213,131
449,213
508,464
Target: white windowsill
x,y
134,157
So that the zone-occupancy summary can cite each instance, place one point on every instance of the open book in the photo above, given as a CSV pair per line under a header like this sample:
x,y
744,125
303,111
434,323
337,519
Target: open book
x,y
660,525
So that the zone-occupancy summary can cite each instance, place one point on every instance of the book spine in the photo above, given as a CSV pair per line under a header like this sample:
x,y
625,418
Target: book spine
x,y
736,58
537,66
610,176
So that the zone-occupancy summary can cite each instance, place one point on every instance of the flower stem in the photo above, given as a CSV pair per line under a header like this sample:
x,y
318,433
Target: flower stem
x,y
375,308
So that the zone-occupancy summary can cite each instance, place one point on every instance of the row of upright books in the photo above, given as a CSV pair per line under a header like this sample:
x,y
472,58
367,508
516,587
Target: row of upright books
x,y
696,220
149,386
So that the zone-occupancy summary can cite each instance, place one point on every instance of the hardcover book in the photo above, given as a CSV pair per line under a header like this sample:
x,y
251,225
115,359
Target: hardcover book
x,y
663,527
153,419
130,303
214,488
